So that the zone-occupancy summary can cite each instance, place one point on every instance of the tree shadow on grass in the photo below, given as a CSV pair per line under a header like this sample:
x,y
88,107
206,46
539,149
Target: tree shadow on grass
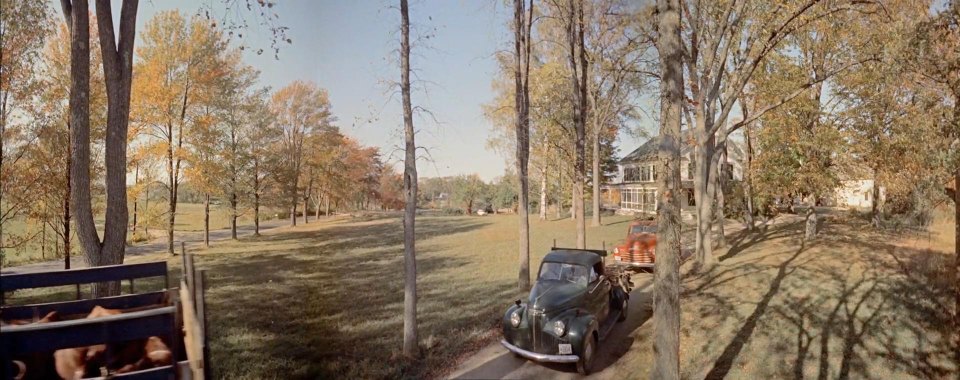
x,y
857,304
331,306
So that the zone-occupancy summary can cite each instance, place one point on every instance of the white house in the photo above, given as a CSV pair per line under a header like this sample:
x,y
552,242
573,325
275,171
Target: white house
x,y
635,188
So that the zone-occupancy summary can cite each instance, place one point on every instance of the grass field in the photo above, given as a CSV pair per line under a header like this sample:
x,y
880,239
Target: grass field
x,y
189,218
325,300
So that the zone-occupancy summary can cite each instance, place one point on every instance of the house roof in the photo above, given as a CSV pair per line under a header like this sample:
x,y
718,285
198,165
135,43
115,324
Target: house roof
x,y
649,149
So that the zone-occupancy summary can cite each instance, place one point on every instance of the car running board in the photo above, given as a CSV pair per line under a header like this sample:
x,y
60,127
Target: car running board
x,y
609,324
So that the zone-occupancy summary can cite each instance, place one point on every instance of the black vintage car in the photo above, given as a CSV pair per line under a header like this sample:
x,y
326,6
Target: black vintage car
x,y
573,305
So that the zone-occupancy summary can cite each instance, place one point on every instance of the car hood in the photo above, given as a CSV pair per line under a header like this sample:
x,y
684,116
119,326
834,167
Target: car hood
x,y
551,295
642,238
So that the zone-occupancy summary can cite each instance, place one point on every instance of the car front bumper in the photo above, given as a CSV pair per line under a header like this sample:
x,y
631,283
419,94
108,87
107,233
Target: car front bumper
x,y
540,357
629,264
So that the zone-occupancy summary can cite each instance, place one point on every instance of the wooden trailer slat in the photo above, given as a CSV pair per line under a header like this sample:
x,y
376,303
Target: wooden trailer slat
x,y
164,373
47,337
129,301
12,282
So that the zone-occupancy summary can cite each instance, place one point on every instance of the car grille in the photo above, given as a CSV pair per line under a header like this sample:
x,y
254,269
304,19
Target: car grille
x,y
536,328
635,255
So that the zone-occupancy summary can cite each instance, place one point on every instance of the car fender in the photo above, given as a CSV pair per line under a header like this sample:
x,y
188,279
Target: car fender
x,y
507,326
579,326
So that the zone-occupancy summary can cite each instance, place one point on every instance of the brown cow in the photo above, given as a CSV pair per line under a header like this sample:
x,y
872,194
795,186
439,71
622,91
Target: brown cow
x,y
126,357
34,360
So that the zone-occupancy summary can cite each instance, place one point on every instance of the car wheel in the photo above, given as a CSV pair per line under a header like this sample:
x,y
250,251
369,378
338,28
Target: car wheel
x,y
586,357
624,309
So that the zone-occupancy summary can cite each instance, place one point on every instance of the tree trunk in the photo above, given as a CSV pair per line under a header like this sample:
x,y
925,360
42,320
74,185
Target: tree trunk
x,y
573,203
559,208
719,186
703,192
875,202
578,69
117,54
666,282
326,205
136,181
811,222
66,213
748,178
256,213
956,259
43,241
306,212
597,176
543,193
410,340
206,220
293,212
522,99
234,204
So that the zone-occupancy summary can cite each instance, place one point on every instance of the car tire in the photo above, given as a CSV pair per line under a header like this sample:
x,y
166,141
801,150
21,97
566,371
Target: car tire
x,y
586,357
624,309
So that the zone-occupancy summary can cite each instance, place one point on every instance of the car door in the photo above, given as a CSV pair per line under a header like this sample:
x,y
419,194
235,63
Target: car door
x,y
598,291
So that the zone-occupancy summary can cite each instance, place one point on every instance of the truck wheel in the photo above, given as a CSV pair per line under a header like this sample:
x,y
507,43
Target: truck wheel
x,y
624,309
586,357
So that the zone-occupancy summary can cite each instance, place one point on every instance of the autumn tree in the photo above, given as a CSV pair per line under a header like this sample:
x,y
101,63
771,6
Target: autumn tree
x,y
301,109
937,48
23,28
726,42
263,161
49,156
175,73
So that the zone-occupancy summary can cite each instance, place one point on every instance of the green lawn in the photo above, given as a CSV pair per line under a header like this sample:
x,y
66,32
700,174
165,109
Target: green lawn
x,y
325,300
189,218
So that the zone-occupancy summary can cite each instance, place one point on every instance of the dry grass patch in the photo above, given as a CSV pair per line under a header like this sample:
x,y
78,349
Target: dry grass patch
x,y
855,303
325,300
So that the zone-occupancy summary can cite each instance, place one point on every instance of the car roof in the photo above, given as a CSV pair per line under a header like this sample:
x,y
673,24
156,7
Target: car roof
x,y
574,256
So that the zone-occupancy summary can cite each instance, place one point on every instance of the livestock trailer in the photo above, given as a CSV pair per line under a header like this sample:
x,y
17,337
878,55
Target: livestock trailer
x,y
176,316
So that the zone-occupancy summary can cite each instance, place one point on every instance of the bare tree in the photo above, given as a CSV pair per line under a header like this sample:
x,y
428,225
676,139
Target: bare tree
x,y
666,281
410,341
522,22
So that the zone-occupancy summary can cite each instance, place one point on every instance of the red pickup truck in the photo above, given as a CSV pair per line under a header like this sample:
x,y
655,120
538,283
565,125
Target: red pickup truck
x,y
638,250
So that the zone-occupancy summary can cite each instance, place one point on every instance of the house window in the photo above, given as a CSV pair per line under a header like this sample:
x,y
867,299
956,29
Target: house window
x,y
648,173
653,168
631,174
630,199
690,168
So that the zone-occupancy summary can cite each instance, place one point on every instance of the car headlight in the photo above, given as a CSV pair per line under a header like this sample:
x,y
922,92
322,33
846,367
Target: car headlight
x,y
559,328
515,318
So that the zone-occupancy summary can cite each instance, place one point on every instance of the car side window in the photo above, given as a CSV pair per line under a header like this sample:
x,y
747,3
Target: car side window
x,y
593,275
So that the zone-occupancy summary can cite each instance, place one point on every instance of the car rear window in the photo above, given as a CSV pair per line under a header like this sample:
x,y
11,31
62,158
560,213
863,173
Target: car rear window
x,y
643,229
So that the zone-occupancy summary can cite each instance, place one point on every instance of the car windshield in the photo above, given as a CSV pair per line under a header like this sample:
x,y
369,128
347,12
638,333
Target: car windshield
x,y
641,228
572,273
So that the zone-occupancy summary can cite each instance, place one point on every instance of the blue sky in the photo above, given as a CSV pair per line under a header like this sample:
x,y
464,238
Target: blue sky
x,y
349,48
